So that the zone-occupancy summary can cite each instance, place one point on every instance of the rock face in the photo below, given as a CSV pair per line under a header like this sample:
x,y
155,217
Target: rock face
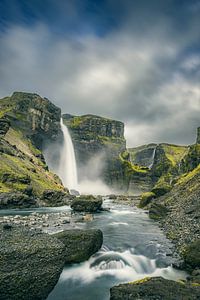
x,y
80,244
100,139
198,135
13,200
87,204
26,121
30,263
35,116
155,289
142,155
181,222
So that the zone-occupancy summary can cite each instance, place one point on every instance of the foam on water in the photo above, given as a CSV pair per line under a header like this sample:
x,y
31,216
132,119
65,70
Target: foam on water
x,y
125,266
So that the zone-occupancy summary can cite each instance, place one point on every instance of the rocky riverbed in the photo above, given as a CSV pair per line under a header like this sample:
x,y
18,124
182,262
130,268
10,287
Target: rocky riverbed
x,y
48,222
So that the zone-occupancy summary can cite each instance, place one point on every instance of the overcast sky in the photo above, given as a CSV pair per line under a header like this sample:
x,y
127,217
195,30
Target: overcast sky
x,y
135,61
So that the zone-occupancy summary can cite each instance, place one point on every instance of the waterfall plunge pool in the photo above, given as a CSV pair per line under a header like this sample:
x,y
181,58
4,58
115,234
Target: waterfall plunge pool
x,y
134,247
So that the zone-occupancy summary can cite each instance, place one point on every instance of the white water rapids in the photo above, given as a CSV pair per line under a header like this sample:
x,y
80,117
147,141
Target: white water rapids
x,y
67,167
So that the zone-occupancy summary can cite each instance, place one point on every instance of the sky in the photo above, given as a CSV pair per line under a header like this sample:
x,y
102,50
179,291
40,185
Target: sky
x,y
137,61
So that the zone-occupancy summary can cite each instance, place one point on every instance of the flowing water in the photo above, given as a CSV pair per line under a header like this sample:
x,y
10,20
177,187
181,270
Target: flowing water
x,y
67,168
134,247
153,156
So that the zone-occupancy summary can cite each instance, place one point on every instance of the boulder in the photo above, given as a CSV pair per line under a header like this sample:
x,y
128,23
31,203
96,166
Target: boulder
x,y
17,200
87,204
30,264
156,288
55,198
80,244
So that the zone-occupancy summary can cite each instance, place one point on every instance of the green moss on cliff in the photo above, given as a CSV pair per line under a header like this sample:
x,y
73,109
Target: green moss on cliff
x,y
29,118
175,153
18,167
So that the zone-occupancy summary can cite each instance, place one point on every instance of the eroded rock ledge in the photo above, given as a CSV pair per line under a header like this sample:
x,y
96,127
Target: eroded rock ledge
x,y
155,289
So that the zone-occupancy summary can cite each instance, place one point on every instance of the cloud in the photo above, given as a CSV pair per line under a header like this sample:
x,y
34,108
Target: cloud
x,y
145,73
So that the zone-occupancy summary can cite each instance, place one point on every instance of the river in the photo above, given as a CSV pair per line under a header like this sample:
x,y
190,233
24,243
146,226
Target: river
x,y
134,247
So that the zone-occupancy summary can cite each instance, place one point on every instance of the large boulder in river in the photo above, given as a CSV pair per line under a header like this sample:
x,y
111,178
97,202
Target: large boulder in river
x,y
155,289
80,244
30,263
87,204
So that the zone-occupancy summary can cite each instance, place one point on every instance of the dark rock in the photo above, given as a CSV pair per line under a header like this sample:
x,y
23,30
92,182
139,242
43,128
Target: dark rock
x,y
16,200
80,244
112,196
162,189
7,226
192,254
87,204
146,199
55,198
4,126
30,264
157,211
155,289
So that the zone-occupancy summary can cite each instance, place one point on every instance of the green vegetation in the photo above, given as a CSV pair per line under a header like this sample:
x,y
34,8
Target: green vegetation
x,y
146,199
192,254
175,153
18,168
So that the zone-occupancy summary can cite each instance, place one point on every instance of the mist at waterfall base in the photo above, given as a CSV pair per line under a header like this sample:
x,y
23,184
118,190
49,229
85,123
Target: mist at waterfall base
x,y
91,174
133,248
61,159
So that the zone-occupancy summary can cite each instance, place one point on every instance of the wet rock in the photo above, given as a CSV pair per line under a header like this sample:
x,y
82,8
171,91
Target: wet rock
x,y
155,289
87,204
80,244
30,263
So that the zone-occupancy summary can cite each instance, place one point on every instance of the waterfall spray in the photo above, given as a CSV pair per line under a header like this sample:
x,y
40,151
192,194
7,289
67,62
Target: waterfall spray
x,y
67,167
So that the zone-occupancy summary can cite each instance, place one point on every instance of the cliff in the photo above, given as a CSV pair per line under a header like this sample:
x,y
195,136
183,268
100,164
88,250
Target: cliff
x,y
26,121
98,143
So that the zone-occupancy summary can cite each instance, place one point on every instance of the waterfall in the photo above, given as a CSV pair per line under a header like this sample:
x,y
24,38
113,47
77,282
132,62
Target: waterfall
x,y
67,166
152,159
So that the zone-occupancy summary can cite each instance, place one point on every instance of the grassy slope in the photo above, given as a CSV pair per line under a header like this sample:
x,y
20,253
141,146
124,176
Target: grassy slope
x,y
21,163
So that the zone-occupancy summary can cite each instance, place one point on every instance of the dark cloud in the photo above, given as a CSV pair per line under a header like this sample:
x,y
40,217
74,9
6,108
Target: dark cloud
x,y
137,63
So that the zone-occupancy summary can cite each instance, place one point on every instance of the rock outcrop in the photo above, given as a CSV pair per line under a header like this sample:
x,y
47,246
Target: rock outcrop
x,y
80,244
26,121
179,213
155,288
87,204
30,263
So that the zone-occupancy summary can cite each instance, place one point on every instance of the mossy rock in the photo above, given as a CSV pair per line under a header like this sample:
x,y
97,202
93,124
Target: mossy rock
x,y
192,254
146,199
161,189
80,244
156,288
157,211
87,205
